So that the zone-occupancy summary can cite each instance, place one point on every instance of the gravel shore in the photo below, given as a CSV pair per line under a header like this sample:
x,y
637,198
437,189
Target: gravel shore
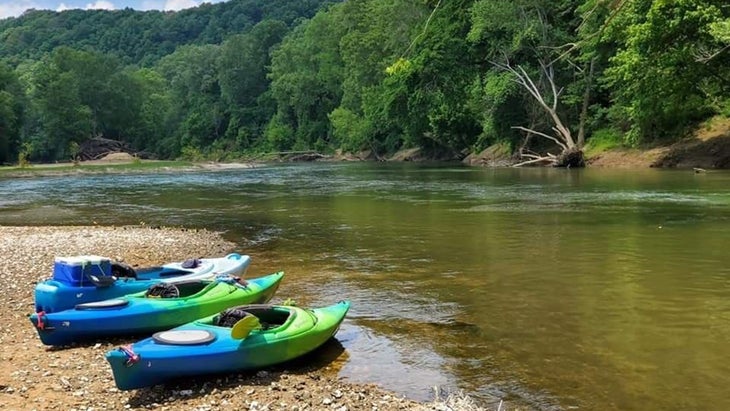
x,y
36,377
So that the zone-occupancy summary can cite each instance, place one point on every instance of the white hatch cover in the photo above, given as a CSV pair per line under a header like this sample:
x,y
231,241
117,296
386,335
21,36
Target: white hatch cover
x,y
184,337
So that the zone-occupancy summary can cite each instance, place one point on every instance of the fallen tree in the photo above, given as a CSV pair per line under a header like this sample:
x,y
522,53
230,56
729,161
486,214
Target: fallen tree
x,y
98,147
570,151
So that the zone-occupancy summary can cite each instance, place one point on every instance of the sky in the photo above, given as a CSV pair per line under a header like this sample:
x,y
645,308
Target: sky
x,y
14,8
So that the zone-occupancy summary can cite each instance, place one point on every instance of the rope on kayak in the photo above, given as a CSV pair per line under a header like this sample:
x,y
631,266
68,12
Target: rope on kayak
x,y
233,280
40,323
132,357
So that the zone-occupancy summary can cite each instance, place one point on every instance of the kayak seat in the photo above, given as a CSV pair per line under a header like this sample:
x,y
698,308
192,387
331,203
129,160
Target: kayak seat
x,y
176,290
191,287
269,316
123,270
229,317
102,281
162,290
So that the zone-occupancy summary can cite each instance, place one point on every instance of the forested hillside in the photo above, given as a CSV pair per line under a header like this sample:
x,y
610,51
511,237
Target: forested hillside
x,y
244,76
141,38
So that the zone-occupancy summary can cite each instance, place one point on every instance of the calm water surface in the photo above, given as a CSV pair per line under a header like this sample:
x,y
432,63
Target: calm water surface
x,y
588,289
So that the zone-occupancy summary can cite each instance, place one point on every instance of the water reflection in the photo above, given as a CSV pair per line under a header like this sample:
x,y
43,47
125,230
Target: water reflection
x,y
596,289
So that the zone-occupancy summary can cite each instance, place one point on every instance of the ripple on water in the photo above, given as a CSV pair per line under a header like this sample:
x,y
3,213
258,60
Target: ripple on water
x,y
43,214
392,363
594,290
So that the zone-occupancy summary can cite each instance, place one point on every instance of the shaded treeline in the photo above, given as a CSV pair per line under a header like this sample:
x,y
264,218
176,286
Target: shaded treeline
x,y
246,76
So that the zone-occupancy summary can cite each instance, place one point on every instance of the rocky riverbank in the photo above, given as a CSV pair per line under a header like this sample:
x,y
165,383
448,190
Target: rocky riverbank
x,y
35,377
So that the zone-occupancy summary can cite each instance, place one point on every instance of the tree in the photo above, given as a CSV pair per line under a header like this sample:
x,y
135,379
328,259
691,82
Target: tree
x,y
197,116
78,95
11,113
306,83
671,67
244,83
149,131
571,150
379,34
61,113
435,90
532,41
142,37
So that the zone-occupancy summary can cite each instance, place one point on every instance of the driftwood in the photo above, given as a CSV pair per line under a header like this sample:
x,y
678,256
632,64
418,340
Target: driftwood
x,y
570,159
304,157
571,151
295,156
98,147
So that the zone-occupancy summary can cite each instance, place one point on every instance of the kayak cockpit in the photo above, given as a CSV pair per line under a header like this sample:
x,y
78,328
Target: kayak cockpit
x,y
269,316
176,290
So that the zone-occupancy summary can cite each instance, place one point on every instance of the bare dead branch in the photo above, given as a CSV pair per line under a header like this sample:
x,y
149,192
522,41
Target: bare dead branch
x,y
617,6
584,107
425,27
702,55
530,85
558,142
534,161
533,156
562,136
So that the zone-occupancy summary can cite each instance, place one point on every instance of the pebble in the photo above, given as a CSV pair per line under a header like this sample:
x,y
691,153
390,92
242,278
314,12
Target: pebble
x,y
87,385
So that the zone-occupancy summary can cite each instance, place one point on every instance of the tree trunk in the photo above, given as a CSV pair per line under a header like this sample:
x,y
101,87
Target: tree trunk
x,y
571,151
584,108
570,159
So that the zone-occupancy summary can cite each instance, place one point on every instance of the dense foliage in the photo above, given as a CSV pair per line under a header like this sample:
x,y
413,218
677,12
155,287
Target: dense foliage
x,y
141,38
244,76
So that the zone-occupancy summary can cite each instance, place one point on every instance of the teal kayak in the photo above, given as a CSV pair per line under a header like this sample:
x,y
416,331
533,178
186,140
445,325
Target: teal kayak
x,y
84,279
240,338
162,307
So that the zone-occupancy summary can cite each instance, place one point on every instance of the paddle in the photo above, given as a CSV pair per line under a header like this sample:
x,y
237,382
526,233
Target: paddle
x,y
244,326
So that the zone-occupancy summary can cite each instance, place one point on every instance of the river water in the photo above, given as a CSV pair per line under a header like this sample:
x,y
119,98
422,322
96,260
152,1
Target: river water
x,y
592,289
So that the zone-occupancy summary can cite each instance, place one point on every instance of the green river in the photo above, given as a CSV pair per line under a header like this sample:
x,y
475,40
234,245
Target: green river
x,y
593,289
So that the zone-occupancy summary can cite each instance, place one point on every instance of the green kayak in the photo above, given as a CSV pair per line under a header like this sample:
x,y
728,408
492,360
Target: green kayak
x,y
240,338
162,307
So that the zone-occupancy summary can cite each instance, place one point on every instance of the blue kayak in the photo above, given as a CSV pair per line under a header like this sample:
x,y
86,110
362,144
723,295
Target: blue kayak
x,y
162,307
83,279
239,338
